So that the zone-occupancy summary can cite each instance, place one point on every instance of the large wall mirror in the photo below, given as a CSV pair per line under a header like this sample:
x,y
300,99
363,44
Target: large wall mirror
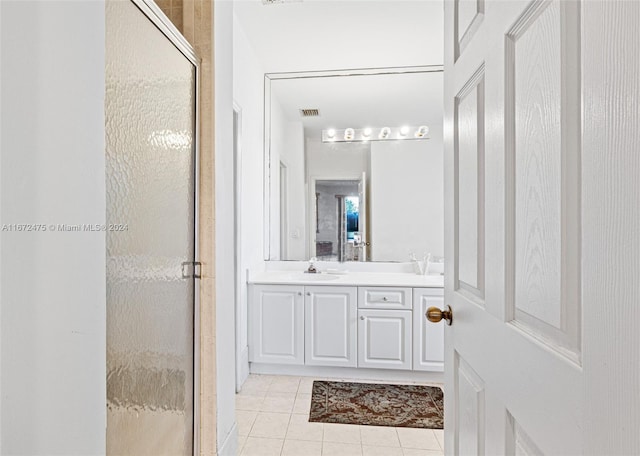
x,y
373,193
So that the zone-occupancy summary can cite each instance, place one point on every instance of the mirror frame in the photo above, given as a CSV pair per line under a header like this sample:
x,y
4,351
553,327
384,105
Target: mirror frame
x,y
268,78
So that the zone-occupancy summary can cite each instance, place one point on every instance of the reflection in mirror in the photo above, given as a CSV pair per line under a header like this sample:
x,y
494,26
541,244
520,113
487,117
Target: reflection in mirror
x,y
341,188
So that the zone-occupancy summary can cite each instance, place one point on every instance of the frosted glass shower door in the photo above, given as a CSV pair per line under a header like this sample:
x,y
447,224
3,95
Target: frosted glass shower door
x,y
150,181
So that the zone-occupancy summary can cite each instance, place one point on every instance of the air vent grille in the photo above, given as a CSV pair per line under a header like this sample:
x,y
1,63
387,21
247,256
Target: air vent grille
x,y
309,112
273,2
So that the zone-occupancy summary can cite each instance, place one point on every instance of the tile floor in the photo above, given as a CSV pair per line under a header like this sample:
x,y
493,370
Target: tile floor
x,y
273,413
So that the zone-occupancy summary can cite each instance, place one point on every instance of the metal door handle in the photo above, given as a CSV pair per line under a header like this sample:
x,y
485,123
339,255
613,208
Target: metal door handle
x,y
434,315
191,269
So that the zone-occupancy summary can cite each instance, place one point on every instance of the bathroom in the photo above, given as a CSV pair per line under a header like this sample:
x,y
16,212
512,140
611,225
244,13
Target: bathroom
x,y
293,105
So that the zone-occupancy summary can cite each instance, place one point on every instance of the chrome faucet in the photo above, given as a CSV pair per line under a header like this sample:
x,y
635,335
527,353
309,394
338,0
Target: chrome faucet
x,y
312,269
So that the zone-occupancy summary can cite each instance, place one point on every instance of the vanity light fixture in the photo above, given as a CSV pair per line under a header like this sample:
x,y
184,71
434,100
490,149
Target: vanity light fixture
x,y
422,131
376,134
349,134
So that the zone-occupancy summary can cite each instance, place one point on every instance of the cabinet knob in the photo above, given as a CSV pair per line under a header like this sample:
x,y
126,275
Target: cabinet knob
x,y
308,293
362,318
299,293
384,299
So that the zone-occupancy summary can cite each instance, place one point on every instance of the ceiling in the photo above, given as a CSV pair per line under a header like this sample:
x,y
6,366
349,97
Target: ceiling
x,y
312,35
389,100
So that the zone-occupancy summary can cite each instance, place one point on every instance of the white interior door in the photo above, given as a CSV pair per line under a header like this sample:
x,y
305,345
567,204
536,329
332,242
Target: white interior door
x,y
540,158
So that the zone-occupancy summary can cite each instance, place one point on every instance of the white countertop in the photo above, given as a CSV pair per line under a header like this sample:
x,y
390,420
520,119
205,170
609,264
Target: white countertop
x,y
380,279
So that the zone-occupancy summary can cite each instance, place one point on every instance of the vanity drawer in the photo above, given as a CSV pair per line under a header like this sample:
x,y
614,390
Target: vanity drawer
x,y
384,298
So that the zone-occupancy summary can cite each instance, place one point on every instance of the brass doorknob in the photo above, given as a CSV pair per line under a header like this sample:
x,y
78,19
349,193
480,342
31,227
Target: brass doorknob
x,y
434,315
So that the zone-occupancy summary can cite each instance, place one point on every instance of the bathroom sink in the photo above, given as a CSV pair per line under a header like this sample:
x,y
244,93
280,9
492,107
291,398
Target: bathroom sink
x,y
319,277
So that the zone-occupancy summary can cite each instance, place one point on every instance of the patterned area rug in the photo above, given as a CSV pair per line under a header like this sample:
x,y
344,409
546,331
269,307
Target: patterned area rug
x,y
377,405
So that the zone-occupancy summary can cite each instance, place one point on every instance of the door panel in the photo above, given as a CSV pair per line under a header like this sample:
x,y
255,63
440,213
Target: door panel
x,y
428,339
330,326
470,425
276,319
150,199
384,339
469,169
468,15
542,78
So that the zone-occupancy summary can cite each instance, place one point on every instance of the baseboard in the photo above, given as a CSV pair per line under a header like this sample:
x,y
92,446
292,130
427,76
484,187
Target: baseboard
x,y
230,446
243,369
344,373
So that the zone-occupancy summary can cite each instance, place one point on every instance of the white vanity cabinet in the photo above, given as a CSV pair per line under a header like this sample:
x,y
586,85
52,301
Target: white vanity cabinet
x,y
325,326
384,328
428,338
276,324
330,326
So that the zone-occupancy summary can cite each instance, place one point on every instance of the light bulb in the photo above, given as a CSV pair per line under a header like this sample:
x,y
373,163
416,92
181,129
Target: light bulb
x,y
384,133
366,132
422,131
348,134
331,133
404,130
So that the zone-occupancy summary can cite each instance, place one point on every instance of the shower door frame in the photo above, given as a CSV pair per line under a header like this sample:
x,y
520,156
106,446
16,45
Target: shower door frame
x,y
164,25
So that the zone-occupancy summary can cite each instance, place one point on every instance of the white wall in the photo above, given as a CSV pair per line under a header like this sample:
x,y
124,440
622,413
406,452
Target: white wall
x,y
277,141
224,227
406,198
248,94
336,160
292,157
52,293
287,148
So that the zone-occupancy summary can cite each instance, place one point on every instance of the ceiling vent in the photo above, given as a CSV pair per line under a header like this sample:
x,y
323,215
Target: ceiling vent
x,y
309,112
273,2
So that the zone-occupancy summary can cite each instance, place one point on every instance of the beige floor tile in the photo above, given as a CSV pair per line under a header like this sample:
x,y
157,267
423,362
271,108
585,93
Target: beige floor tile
x,y
250,403
245,420
302,404
278,402
342,433
258,382
306,384
368,450
242,439
270,425
424,439
440,436
341,449
301,429
285,385
379,436
252,391
416,452
255,446
301,448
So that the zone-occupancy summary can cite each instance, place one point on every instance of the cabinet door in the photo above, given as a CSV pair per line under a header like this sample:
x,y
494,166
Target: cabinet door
x,y
428,339
276,324
330,326
384,339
